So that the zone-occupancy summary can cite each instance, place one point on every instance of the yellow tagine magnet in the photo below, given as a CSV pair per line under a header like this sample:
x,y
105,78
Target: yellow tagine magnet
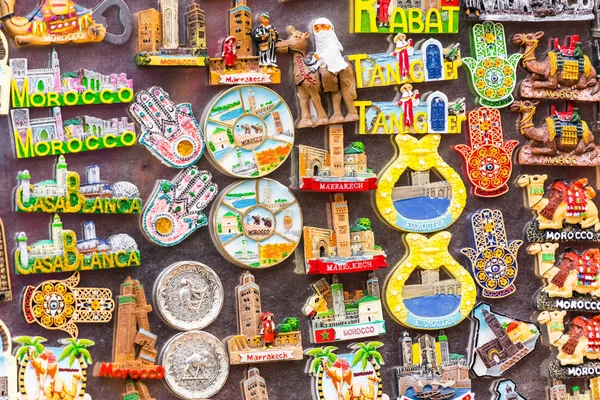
x,y
432,303
426,204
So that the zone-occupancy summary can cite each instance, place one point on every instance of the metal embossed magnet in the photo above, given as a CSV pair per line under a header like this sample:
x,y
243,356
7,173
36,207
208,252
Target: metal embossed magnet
x,y
61,304
169,131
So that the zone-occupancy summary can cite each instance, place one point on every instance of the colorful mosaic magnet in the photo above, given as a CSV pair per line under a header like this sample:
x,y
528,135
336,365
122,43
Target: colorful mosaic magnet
x,y
432,303
5,76
175,208
170,132
494,258
343,249
64,253
498,341
61,304
256,223
505,389
563,139
163,48
249,131
53,372
493,73
5,285
566,214
250,384
430,371
66,194
50,87
8,364
338,315
427,205
542,11
51,136
566,73
338,169
407,62
411,113
341,376
259,340
488,158
389,16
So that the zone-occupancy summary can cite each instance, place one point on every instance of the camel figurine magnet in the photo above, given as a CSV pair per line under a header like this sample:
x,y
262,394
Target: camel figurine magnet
x,y
563,139
566,214
506,389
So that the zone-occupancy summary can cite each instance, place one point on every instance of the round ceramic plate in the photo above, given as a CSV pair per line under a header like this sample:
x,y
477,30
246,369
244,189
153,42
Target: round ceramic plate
x,y
249,131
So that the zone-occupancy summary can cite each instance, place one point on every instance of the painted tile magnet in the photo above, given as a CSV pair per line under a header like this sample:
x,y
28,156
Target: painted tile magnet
x,y
488,158
5,284
433,303
494,258
65,193
505,389
566,214
492,72
428,204
53,372
256,223
407,62
343,249
50,87
175,208
499,341
169,131
8,364
64,253
5,76
61,304
259,340
337,315
249,131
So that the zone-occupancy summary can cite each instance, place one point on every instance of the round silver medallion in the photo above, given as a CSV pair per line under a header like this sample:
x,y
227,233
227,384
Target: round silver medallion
x,y
188,295
196,365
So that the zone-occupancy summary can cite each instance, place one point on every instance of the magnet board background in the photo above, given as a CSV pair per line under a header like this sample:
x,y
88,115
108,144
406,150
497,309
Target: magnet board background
x,y
283,291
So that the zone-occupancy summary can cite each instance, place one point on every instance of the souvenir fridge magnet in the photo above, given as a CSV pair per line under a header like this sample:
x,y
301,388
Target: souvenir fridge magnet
x,y
343,249
337,315
566,214
325,72
52,136
175,208
566,73
61,304
338,169
430,371
407,62
488,158
506,389
256,223
135,389
254,386
259,340
163,48
196,365
170,132
50,87
5,76
543,11
65,193
498,342
8,364
249,131
5,285
494,258
429,203
64,253
410,112
188,295
435,302
493,73
563,139
237,63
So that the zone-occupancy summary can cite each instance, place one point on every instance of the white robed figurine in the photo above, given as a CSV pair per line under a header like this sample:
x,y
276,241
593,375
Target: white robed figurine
x,y
328,49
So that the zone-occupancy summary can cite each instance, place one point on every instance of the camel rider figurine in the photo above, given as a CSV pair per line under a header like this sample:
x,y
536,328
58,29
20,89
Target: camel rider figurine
x,y
265,35
328,51
408,100
268,329
229,52
404,49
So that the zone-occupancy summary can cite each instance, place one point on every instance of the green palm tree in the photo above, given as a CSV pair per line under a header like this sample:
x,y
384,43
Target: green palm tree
x,y
28,342
367,353
77,349
321,354
293,323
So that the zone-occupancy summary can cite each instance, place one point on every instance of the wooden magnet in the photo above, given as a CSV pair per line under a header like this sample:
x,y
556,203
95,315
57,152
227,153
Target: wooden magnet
x,y
506,389
67,194
61,304
8,364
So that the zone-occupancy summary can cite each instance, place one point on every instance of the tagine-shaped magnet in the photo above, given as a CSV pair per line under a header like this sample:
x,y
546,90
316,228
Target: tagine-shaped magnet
x,y
256,223
506,389
435,302
493,73
169,131
494,258
249,131
488,158
426,205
